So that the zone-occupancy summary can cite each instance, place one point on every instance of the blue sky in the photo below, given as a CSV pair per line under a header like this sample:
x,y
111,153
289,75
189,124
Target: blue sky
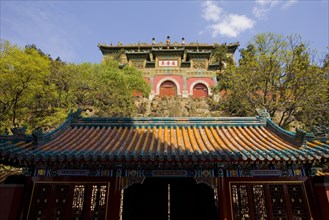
x,y
72,29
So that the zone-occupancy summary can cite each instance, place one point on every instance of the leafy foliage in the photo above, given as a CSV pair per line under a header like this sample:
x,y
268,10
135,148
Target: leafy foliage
x,y
220,55
277,73
38,91
22,85
115,87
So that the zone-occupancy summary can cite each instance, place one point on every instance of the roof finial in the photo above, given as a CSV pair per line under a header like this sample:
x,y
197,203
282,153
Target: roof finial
x,y
183,41
153,41
168,42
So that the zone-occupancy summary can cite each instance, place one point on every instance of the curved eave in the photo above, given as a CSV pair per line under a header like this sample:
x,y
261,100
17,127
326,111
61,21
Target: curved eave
x,y
168,52
198,55
213,67
137,55
231,48
288,135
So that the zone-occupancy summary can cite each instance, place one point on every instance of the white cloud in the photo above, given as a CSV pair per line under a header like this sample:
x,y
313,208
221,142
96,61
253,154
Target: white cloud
x,y
225,24
211,12
232,25
262,7
288,3
269,3
260,12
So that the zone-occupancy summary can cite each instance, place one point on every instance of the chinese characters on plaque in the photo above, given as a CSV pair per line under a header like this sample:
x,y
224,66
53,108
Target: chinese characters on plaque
x,y
168,63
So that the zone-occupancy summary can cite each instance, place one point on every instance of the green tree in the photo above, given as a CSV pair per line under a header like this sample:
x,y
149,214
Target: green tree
x,y
115,88
38,91
22,74
34,47
220,55
317,112
277,73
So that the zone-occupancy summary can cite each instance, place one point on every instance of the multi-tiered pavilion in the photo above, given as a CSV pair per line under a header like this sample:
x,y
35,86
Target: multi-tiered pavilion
x,y
173,68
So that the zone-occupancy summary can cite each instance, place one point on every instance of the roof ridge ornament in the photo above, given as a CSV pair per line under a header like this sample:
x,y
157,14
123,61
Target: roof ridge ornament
x,y
19,131
37,135
263,114
300,136
75,115
6,131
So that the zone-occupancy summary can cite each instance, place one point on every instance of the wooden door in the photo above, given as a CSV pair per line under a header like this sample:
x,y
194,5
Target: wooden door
x,y
168,88
200,90
69,200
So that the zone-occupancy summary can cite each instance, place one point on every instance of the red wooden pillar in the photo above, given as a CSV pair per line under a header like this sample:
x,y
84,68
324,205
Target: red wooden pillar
x,y
10,200
25,199
223,199
115,198
321,195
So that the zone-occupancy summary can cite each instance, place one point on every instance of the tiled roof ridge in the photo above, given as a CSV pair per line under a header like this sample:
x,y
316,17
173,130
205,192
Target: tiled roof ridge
x,y
75,120
161,44
289,135
58,131
167,121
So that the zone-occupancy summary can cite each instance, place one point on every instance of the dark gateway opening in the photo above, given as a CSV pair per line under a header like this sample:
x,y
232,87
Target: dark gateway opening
x,y
169,198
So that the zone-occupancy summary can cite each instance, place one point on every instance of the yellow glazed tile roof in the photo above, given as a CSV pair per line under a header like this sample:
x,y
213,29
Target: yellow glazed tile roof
x,y
178,139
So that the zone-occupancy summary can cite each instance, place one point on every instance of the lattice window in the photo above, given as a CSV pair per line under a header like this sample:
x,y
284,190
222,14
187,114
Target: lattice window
x,y
297,202
78,200
277,200
240,202
61,197
98,202
41,199
216,197
259,204
269,201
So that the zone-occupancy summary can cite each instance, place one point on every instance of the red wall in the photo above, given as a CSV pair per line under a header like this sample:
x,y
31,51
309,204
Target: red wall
x,y
10,199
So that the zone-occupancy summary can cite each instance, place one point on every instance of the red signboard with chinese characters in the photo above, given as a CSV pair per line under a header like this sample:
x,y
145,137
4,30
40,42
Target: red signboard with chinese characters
x,y
168,63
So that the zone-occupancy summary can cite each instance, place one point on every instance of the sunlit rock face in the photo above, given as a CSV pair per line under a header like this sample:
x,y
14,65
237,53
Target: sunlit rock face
x,y
169,106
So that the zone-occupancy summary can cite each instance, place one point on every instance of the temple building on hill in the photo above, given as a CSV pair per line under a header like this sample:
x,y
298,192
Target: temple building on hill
x,y
172,69
165,168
